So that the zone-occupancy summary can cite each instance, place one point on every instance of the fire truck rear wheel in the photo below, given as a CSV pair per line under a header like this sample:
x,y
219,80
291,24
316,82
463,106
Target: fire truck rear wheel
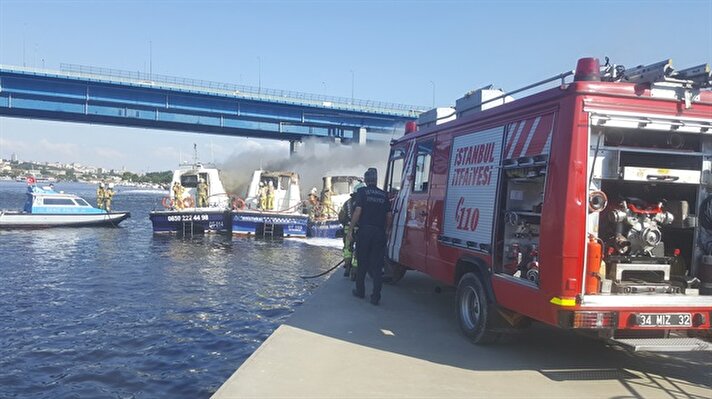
x,y
473,311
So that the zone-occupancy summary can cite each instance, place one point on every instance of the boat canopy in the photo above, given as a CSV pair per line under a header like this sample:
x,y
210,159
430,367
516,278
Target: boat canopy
x,y
44,200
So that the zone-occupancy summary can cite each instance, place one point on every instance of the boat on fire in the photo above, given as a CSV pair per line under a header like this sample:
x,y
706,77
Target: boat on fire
x,y
186,217
325,222
45,207
285,218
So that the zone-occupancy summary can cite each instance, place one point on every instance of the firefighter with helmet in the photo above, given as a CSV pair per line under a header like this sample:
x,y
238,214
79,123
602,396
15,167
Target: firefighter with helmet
x,y
312,203
202,194
100,194
326,202
177,195
108,196
349,251
262,193
270,195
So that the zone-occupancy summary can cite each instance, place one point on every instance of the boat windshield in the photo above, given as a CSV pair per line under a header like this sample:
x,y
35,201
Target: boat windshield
x,y
267,179
191,180
58,201
81,202
341,187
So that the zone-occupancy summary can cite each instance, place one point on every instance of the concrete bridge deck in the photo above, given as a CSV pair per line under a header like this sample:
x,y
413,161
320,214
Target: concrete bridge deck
x,y
338,346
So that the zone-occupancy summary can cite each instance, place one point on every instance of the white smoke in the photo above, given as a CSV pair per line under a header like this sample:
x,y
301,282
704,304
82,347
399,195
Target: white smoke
x,y
313,160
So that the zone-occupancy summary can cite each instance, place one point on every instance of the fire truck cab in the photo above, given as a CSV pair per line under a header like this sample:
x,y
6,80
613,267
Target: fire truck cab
x,y
584,206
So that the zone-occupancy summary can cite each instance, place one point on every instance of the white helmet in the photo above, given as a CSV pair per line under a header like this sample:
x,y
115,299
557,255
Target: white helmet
x,y
262,184
313,190
101,185
357,186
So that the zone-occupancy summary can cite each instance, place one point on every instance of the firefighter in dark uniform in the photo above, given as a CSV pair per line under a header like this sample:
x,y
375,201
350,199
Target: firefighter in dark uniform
x,y
373,217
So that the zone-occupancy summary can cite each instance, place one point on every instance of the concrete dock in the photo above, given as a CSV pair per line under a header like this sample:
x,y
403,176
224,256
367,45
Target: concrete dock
x,y
339,346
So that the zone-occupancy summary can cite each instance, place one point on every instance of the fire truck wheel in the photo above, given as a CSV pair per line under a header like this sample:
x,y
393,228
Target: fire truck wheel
x,y
473,311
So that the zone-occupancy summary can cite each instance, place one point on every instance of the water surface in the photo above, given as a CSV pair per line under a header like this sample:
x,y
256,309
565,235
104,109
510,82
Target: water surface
x,y
120,312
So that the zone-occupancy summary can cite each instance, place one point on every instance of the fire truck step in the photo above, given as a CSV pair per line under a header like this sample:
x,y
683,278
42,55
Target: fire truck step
x,y
664,344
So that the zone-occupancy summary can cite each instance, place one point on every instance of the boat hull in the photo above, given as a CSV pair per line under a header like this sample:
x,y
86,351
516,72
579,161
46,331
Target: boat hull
x,y
325,229
19,220
285,224
192,221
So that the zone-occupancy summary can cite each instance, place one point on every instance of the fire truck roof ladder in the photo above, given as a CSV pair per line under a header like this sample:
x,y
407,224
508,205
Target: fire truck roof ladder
x,y
560,76
699,76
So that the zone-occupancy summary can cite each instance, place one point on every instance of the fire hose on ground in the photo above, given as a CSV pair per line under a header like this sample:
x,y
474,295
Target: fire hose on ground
x,y
323,273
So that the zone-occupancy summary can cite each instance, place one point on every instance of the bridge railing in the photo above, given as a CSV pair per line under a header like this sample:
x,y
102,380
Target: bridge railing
x,y
245,91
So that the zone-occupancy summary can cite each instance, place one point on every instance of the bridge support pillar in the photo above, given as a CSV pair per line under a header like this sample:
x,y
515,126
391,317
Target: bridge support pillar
x,y
296,146
359,136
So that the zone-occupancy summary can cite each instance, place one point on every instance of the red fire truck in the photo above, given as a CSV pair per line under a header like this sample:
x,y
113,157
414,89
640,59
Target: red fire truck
x,y
585,206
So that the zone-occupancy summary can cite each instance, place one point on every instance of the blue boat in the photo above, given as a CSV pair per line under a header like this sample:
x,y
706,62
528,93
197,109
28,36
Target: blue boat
x,y
325,229
326,224
45,207
187,217
284,217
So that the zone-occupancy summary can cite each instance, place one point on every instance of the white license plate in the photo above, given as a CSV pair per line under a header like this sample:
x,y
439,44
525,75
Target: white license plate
x,y
664,319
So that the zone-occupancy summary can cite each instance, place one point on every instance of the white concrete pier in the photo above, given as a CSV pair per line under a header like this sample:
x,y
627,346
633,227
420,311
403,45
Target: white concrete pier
x,y
338,346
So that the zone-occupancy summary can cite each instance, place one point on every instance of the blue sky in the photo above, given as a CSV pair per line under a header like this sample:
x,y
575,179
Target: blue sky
x,y
395,49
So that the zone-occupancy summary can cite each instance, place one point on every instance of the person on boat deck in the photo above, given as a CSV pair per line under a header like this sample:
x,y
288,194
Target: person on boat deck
x,y
262,193
345,215
178,195
312,202
108,196
270,195
100,194
326,202
202,194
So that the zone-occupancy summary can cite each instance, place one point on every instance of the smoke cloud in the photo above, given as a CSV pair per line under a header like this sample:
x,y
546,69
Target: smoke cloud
x,y
313,160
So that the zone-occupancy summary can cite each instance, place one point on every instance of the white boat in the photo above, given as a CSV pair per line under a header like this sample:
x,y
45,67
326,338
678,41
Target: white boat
x,y
187,217
285,218
45,207
326,224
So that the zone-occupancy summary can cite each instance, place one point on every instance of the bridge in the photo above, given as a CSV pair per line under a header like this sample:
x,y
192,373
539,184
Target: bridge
x,y
94,95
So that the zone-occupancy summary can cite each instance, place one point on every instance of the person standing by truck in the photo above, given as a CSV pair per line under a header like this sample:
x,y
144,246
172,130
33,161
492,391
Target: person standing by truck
x,y
373,217
345,215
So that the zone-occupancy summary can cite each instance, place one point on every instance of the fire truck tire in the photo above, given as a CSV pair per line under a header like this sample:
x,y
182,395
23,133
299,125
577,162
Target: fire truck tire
x,y
473,312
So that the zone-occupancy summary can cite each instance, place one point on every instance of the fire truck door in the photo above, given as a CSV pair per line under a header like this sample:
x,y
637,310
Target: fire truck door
x,y
414,251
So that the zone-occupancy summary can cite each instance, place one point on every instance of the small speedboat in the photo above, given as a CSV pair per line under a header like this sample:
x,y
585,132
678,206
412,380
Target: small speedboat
x,y
45,207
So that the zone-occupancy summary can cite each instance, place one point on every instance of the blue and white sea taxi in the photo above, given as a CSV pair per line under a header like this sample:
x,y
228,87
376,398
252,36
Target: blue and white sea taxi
x,y
186,217
325,223
285,216
45,207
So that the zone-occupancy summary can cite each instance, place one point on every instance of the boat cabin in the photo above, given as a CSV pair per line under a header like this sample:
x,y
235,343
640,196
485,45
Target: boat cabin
x,y
286,190
190,175
341,188
44,200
